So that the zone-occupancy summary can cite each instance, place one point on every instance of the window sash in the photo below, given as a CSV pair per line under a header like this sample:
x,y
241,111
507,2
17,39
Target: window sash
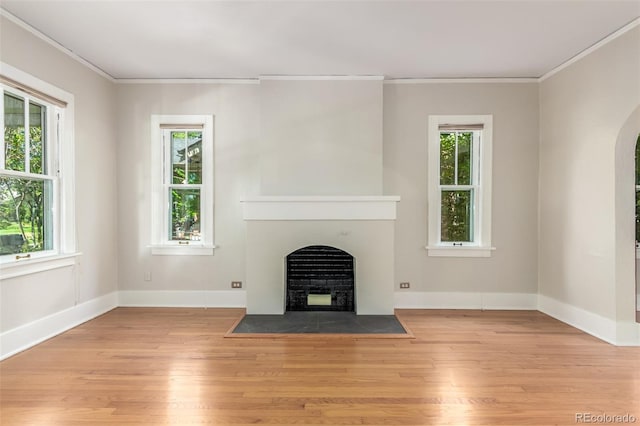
x,y
50,128
448,223
473,188
36,224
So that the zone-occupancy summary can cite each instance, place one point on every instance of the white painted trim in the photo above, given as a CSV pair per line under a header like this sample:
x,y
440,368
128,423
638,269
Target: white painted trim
x,y
459,251
601,327
321,198
182,250
321,208
464,300
483,80
198,299
35,265
34,31
28,335
321,77
608,39
187,81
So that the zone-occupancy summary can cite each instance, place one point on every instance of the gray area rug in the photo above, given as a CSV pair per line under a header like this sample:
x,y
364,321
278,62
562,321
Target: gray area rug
x,y
319,322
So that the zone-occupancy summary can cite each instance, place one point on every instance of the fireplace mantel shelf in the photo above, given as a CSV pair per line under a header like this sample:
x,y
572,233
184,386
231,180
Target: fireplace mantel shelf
x,y
321,207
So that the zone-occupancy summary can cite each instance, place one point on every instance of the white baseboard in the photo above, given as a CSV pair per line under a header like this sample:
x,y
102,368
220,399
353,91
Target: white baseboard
x,y
462,300
28,335
192,299
589,322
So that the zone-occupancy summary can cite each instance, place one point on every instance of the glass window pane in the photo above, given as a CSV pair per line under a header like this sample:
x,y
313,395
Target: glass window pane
x,y
25,215
14,143
36,138
465,149
457,216
637,217
194,156
178,157
185,214
447,158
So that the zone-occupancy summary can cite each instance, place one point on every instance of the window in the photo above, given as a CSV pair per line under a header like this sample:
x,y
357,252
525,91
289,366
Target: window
x,y
460,186
182,216
638,193
37,226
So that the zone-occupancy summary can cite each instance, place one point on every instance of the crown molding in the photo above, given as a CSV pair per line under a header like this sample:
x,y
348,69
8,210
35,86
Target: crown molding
x,y
187,81
321,77
22,24
608,39
461,80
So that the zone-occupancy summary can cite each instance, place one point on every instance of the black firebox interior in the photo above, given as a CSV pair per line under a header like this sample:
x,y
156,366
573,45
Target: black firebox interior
x,y
320,278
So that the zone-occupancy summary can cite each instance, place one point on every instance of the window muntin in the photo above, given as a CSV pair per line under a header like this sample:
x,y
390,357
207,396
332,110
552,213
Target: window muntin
x,y
459,185
28,191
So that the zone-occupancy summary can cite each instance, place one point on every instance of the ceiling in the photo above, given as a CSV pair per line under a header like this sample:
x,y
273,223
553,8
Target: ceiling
x,y
395,38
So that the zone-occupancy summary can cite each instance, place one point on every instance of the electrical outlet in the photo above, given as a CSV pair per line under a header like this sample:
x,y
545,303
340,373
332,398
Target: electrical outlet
x,y
236,284
405,285
147,276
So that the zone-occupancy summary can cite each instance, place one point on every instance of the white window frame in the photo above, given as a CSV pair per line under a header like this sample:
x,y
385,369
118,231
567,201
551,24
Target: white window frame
x,y
481,245
635,196
61,166
160,241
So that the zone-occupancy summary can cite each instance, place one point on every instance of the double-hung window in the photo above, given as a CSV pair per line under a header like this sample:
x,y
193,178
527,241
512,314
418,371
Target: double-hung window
x,y
460,186
638,197
182,216
36,176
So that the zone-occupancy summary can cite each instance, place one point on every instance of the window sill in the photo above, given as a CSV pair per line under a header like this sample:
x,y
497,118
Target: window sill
x,y
18,268
182,250
464,251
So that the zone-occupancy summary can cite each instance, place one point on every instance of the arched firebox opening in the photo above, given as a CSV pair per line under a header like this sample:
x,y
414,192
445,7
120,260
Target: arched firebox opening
x,y
320,278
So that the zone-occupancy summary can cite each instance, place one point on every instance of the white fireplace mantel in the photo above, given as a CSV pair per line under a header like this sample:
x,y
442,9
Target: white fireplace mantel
x,y
356,207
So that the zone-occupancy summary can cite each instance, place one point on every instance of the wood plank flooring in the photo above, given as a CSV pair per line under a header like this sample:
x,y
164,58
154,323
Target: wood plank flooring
x,y
155,366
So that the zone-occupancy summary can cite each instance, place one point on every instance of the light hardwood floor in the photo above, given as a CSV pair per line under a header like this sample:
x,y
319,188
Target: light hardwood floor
x,y
174,366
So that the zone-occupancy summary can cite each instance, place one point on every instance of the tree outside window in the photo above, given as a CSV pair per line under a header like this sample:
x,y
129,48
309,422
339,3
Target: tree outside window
x,y
25,187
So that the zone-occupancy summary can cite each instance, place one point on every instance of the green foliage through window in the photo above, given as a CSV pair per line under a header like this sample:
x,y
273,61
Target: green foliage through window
x,y
456,179
25,198
186,184
638,192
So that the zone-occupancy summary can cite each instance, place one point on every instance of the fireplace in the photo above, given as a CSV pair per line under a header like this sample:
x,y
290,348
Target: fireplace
x,y
320,278
360,227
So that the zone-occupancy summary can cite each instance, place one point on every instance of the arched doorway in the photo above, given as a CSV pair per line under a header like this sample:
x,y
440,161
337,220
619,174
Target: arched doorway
x,y
627,290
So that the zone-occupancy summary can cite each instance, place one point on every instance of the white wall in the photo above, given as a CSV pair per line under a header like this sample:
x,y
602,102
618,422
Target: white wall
x,y
240,171
27,299
321,137
582,111
236,125
512,266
